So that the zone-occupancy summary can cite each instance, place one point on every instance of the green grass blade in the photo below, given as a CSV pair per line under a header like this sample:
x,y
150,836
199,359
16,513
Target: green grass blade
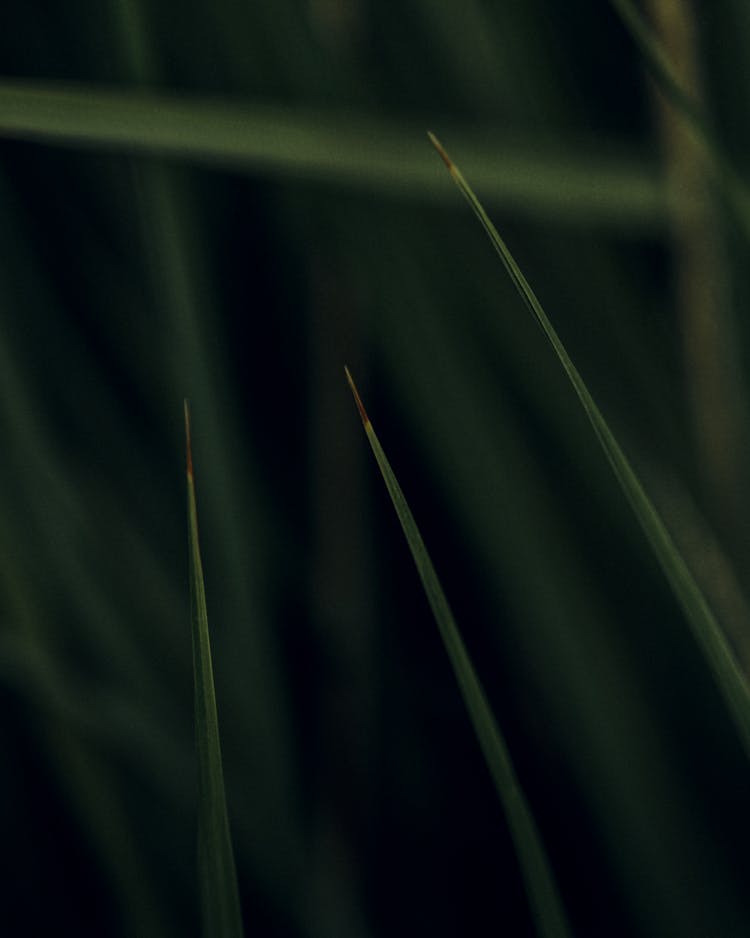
x,y
220,904
575,183
544,900
656,57
730,679
658,60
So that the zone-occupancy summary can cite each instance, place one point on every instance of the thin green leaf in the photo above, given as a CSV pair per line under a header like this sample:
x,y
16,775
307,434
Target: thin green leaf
x,y
573,183
729,677
544,900
220,905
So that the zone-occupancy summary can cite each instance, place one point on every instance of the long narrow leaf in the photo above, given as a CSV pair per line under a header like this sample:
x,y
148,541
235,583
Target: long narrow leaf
x,y
543,896
730,679
574,184
220,905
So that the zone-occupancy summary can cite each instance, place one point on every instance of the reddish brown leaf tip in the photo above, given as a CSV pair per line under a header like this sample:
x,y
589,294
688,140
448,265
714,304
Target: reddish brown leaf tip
x,y
357,398
441,151
188,442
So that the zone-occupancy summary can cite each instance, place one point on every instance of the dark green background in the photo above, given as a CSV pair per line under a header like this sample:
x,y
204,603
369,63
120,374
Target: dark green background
x,y
359,802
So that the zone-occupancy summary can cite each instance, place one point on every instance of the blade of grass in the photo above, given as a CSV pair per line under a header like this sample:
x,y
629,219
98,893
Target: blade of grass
x,y
574,183
178,274
544,900
729,677
657,58
714,384
220,904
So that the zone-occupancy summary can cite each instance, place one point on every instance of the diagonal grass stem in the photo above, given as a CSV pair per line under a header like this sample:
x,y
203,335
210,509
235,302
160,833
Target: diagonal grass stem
x,y
705,628
220,904
542,891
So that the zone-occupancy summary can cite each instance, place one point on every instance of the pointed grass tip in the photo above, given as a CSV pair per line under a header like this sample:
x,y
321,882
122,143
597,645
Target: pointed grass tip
x,y
441,152
357,398
188,441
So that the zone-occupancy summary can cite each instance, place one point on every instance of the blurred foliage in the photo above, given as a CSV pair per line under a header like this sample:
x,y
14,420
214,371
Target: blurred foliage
x,y
132,277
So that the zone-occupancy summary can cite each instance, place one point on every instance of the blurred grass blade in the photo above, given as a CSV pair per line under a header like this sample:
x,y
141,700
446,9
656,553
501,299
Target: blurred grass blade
x,y
544,900
582,182
733,185
658,60
730,679
220,905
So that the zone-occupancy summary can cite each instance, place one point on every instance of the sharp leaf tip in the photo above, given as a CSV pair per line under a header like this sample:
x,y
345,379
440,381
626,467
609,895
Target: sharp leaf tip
x,y
188,440
357,398
441,150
